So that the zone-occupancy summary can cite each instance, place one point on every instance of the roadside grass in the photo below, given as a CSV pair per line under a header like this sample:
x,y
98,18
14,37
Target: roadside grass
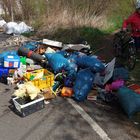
x,y
73,35
67,21
29,34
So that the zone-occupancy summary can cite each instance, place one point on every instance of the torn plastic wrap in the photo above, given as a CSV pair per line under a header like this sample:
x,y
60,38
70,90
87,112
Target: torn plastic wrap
x,y
83,84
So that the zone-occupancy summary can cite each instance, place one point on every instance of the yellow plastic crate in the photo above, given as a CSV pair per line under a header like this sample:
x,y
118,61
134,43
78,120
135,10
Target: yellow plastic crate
x,y
45,82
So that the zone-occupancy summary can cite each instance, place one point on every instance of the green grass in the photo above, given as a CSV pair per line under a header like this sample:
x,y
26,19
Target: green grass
x,y
116,24
29,34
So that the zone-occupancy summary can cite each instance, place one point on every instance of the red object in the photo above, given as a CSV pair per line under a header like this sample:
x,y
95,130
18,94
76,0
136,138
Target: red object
x,y
134,21
29,54
10,64
135,87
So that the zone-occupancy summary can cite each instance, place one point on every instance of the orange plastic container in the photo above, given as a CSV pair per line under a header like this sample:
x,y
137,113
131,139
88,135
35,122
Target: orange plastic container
x,y
46,81
66,92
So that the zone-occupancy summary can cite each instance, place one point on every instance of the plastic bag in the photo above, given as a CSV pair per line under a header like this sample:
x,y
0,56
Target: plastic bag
x,y
32,45
15,28
2,22
90,62
83,84
71,69
115,85
129,100
57,61
20,92
10,27
22,28
27,89
32,91
120,73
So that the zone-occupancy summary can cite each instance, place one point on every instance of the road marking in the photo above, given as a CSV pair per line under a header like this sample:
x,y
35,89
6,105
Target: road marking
x,y
90,121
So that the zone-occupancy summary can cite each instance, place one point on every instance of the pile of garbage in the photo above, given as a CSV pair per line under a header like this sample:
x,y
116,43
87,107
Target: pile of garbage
x,y
43,70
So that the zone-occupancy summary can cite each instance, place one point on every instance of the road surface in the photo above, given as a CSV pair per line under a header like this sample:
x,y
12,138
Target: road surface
x,y
65,119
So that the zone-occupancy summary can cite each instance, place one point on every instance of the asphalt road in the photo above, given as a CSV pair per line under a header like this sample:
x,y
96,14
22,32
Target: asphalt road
x,y
64,119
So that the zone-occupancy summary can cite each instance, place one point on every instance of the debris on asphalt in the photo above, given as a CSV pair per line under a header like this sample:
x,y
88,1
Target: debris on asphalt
x,y
43,70
14,41
92,96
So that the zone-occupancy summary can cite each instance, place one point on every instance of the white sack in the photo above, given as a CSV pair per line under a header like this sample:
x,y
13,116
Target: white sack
x,y
2,22
15,28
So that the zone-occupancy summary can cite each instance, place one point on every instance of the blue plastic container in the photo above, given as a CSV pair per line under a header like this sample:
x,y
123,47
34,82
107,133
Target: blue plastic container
x,y
11,61
2,58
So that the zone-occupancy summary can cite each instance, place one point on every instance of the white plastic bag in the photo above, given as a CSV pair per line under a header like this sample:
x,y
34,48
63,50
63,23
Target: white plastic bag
x,y
2,22
22,28
10,27
15,28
